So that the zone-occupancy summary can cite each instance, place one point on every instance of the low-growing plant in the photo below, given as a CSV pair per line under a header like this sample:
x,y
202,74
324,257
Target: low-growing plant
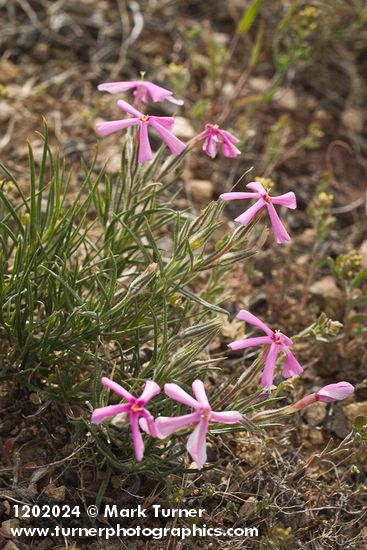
x,y
112,282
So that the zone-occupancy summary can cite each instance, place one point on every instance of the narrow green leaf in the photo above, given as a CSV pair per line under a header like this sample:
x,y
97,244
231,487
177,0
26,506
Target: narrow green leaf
x,y
249,17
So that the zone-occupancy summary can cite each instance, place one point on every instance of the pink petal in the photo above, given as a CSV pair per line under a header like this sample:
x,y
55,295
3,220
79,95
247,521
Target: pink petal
x,y
268,373
129,108
229,150
143,423
244,315
335,392
150,390
136,437
116,388
175,145
250,213
285,340
178,394
249,342
199,391
141,95
210,145
117,87
167,425
237,195
291,366
228,137
288,200
280,232
99,415
157,93
165,121
226,417
175,101
256,186
111,126
196,444
147,423
145,150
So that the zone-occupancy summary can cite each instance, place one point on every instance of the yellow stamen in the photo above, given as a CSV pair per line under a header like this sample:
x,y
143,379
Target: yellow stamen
x,y
136,408
277,337
144,118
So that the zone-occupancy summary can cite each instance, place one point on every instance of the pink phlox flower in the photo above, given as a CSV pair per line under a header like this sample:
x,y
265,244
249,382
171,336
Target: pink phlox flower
x,y
334,392
214,135
264,200
143,91
161,124
196,444
135,409
277,341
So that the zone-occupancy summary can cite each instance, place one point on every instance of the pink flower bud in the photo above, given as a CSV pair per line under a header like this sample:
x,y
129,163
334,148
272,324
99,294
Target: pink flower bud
x,y
334,392
327,394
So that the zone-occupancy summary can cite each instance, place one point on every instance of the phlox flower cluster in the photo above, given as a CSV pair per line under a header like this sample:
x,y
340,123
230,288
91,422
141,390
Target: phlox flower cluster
x,y
198,421
144,91
163,426
276,345
212,136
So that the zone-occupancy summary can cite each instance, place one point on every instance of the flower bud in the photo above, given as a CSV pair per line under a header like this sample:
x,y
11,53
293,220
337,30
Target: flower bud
x,y
327,394
334,392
